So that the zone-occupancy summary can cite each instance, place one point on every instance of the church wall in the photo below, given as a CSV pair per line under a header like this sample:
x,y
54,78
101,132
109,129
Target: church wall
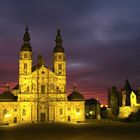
x,y
9,110
127,110
66,111
17,112
75,111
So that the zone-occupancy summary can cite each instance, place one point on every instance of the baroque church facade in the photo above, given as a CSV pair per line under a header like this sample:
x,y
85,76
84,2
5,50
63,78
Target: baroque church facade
x,y
40,95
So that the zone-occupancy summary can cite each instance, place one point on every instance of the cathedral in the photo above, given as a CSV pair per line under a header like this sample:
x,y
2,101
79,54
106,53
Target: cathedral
x,y
40,95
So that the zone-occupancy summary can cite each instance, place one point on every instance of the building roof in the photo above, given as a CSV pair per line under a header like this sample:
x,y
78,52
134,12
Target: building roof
x,y
91,101
7,96
75,96
127,86
40,60
26,47
136,92
26,42
58,47
16,87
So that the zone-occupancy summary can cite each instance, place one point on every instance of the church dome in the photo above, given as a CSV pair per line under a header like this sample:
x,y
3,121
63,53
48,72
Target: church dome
x,y
7,96
75,96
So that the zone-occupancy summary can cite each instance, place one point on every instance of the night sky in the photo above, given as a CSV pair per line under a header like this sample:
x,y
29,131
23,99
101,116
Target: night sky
x,y
101,40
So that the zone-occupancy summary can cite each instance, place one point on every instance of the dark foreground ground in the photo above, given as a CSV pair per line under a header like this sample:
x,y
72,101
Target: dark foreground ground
x,y
87,131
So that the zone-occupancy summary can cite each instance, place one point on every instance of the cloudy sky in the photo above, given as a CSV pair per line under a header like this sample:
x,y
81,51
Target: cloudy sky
x,y
101,40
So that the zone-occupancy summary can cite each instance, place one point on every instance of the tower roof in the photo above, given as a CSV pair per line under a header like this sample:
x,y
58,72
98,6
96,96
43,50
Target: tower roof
x,y
75,95
127,86
58,40
40,60
26,41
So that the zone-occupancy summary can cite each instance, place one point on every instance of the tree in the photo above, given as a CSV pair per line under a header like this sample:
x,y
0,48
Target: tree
x,y
109,96
114,102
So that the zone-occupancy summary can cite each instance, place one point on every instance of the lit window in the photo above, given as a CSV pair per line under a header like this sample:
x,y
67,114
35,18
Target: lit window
x,y
25,67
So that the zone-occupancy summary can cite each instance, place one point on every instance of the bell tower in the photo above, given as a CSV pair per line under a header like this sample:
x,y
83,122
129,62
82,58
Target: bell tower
x,y
25,64
59,63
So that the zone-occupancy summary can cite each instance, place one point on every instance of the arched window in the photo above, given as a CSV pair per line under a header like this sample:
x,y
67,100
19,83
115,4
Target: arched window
x,y
42,89
25,67
59,66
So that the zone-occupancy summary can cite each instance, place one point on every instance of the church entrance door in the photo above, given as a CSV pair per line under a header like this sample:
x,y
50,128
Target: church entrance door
x,y
69,119
15,119
43,117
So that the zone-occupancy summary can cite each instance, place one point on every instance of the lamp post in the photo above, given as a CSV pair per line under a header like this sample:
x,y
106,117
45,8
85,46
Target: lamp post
x,y
98,117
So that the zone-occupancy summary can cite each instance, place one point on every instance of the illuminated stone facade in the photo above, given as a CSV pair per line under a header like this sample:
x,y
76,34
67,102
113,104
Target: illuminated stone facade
x,y
134,106
41,93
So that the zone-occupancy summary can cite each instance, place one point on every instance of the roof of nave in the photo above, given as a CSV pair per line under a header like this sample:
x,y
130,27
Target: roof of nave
x,y
75,95
43,69
39,64
16,87
35,67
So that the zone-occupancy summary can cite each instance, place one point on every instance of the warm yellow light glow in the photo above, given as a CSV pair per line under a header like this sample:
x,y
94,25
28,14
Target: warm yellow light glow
x,y
78,113
7,115
91,112
101,105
